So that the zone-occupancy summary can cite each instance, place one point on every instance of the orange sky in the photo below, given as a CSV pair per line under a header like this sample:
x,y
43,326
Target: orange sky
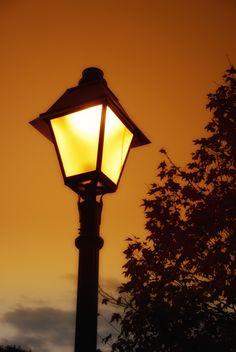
x,y
160,58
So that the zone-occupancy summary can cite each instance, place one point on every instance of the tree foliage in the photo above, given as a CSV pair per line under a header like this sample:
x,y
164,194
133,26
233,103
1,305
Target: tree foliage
x,y
181,280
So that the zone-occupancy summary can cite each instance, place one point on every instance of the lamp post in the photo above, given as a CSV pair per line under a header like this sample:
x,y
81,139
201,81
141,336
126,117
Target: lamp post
x,y
92,135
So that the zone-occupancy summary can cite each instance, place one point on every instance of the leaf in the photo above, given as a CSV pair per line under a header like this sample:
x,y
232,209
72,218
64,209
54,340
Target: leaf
x,y
107,338
105,300
115,317
162,151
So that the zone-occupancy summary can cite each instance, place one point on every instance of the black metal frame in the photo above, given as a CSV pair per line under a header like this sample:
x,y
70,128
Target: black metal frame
x,y
81,183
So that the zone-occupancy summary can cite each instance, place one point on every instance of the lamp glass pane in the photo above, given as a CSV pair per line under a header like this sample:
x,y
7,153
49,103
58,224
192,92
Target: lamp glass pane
x,y
77,137
117,139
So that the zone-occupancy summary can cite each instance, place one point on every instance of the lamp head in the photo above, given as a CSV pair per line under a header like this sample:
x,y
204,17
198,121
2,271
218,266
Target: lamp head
x,y
92,134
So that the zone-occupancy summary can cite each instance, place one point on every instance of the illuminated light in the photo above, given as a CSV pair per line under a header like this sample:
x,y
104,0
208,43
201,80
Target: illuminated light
x,y
117,140
92,143
77,137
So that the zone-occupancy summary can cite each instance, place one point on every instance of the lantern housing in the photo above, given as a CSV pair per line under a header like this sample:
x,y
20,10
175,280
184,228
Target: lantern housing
x,y
92,134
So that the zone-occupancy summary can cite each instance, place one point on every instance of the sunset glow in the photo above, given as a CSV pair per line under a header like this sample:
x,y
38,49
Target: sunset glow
x,y
161,58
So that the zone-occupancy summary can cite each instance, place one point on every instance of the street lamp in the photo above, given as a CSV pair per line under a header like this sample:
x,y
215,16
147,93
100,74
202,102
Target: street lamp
x,y
92,135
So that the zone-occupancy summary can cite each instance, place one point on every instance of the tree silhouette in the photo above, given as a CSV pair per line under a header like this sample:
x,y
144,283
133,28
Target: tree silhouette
x,y
180,281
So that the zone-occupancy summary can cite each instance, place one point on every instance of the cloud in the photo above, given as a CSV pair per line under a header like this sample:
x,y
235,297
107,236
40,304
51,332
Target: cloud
x,y
110,285
47,329
40,328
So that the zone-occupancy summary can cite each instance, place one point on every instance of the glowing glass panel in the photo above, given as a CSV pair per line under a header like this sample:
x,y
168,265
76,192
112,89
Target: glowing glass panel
x,y
117,139
77,136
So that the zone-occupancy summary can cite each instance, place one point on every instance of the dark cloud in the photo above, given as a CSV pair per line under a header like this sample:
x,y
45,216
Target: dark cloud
x,y
40,328
47,329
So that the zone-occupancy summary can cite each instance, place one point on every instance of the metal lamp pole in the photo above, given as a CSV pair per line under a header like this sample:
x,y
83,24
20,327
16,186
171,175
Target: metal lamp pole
x,y
92,135
89,243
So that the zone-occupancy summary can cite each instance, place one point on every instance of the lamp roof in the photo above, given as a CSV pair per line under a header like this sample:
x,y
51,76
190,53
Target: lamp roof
x,y
91,90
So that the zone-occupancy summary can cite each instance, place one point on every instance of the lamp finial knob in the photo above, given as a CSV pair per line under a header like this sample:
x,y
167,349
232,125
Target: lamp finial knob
x,y
92,75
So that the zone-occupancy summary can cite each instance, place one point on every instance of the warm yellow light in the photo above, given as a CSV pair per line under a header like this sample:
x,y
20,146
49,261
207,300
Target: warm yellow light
x,y
117,139
77,137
